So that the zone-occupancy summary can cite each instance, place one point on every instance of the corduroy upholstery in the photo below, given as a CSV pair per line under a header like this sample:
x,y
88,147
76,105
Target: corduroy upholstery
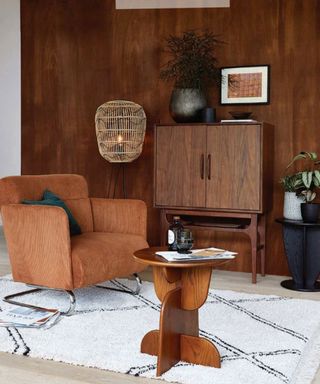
x,y
40,248
108,216
111,259
81,210
14,189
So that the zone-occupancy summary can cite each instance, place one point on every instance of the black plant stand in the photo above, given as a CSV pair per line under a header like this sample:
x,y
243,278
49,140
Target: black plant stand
x,y
302,245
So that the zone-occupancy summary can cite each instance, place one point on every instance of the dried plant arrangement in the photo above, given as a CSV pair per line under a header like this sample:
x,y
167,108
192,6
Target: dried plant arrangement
x,y
194,63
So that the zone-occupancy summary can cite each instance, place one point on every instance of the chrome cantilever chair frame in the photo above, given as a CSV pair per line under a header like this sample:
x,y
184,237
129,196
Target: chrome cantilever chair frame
x,y
69,312
132,292
72,299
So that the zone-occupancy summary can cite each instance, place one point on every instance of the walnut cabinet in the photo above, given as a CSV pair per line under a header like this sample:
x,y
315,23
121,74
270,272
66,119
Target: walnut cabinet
x,y
217,171
215,166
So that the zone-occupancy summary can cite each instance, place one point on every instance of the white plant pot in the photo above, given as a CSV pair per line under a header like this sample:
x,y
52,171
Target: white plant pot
x,y
292,206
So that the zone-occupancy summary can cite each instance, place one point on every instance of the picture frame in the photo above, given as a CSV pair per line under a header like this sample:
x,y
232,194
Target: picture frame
x,y
245,85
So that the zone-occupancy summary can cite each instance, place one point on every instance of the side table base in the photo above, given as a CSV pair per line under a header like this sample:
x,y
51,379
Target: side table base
x,y
182,288
289,284
193,349
178,337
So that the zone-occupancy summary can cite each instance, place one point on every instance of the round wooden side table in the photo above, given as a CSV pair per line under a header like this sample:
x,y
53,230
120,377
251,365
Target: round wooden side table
x,y
182,288
302,246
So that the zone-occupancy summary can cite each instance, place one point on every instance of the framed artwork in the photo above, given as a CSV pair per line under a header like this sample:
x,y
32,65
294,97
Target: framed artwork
x,y
245,85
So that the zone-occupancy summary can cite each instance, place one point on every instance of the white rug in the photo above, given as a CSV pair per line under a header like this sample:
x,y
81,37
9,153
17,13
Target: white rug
x,y
261,339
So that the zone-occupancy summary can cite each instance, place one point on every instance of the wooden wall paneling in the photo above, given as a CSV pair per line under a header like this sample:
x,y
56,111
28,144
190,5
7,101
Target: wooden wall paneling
x,y
39,91
78,54
136,66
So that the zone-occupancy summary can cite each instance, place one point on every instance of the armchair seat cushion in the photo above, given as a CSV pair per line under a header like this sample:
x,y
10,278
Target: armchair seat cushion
x,y
100,256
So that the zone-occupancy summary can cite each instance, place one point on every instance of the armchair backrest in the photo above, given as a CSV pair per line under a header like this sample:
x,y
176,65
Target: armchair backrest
x,y
13,189
73,189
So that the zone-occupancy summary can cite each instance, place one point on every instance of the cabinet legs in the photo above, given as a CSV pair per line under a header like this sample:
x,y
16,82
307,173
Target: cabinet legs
x,y
262,242
257,235
253,234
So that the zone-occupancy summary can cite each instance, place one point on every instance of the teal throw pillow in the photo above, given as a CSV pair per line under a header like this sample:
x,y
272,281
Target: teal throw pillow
x,y
49,198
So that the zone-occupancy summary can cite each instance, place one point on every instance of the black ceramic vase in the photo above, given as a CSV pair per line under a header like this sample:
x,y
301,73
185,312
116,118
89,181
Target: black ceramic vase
x,y
310,212
186,105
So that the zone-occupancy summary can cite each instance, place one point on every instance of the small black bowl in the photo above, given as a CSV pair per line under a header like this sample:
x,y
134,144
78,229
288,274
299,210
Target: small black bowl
x,y
240,114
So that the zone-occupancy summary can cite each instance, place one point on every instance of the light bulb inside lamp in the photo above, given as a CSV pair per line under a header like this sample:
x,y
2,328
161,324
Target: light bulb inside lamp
x,y
120,143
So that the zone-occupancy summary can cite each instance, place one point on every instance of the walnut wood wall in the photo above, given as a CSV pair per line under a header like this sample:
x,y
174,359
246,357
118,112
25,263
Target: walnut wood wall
x,y
78,54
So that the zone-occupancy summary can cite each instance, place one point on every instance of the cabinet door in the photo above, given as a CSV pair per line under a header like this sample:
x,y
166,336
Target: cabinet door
x,y
234,154
179,166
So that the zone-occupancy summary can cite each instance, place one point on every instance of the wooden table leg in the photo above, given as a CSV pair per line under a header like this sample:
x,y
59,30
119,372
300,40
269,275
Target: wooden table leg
x,y
178,336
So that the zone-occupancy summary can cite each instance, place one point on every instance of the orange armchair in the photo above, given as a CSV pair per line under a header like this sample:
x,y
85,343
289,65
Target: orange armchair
x,y
41,251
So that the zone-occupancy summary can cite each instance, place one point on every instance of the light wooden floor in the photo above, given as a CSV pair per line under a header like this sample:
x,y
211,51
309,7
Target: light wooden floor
x,y
24,370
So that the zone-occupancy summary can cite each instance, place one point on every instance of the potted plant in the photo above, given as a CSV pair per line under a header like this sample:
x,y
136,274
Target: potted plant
x,y
309,212
300,189
193,68
292,200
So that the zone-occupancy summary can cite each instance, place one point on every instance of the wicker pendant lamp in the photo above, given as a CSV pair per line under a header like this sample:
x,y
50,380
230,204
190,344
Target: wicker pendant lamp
x,y
120,130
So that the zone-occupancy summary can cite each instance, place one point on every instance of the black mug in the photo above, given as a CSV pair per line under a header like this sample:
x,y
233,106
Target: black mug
x,y
208,115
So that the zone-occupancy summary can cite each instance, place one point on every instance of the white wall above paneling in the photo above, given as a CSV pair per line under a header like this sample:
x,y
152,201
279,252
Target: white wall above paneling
x,y
157,4
10,88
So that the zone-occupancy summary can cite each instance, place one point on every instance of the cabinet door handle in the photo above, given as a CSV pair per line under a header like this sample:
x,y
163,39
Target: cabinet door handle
x,y
202,166
209,167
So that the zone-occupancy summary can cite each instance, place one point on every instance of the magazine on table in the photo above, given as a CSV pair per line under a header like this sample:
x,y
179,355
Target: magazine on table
x,y
28,317
198,255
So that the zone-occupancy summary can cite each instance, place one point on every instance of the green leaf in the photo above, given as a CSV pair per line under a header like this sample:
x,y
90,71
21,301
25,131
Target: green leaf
x,y
312,155
307,178
304,155
315,181
317,175
310,175
310,196
300,156
297,183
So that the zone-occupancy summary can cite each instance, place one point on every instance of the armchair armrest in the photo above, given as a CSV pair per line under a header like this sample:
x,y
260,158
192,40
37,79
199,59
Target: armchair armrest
x,y
119,216
38,242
